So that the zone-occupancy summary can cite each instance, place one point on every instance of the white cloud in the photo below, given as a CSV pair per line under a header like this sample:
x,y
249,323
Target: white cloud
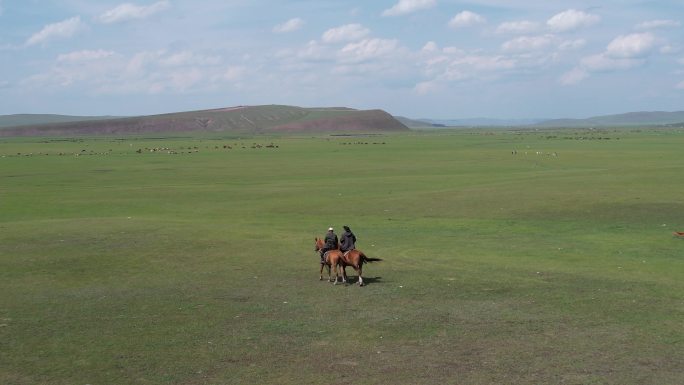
x,y
367,49
85,55
138,64
63,29
606,63
289,26
622,53
457,65
79,67
345,33
573,76
435,66
234,73
572,44
486,63
463,69
404,7
571,20
680,86
517,27
525,56
188,58
127,11
661,23
430,46
669,49
453,51
528,43
183,80
424,88
630,46
106,72
313,51
598,63
305,58
466,19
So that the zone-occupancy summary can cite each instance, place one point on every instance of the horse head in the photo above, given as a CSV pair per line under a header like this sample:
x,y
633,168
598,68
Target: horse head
x,y
319,244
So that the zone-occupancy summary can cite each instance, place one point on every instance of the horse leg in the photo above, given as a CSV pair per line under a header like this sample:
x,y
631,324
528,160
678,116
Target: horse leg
x,y
344,273
335,267
360,271
331,267
321,277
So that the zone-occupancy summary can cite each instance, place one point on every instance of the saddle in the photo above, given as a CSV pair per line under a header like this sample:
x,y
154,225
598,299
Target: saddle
x,y
324,258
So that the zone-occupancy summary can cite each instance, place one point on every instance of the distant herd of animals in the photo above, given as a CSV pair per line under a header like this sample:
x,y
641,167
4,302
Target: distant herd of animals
x,y
174,151
195,149
353,143
179,150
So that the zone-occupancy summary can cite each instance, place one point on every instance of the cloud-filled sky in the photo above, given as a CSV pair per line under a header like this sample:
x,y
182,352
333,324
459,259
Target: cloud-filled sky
x,y
417,58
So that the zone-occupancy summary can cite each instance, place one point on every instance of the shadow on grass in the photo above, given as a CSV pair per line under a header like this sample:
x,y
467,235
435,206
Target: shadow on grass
x,y
354,280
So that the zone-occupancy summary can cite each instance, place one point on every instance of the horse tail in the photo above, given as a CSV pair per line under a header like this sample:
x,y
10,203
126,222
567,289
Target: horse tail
x,y
369,260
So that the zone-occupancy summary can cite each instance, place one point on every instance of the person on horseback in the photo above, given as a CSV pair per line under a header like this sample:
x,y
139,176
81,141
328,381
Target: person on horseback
x,y
348,240
331,243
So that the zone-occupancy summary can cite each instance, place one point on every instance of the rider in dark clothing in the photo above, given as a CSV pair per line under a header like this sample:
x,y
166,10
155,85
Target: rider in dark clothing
x,y
331,243
348,240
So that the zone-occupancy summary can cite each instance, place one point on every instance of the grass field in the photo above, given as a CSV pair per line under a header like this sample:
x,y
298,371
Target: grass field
x,y
555,265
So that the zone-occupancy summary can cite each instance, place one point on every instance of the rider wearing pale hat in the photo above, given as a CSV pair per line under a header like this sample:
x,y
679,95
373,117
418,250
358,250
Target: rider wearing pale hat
x,y
331,243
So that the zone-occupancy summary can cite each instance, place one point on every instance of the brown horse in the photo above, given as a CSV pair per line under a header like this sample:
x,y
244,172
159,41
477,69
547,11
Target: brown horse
x,y
356,259
332,259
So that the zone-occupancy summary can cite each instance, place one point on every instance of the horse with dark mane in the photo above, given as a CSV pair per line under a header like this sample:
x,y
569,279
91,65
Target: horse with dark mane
x,y
332,259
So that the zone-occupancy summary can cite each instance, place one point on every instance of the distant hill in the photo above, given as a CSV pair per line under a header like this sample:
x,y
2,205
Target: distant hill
x,y
645,118
241,119
469,122
35,119
416,123
483,122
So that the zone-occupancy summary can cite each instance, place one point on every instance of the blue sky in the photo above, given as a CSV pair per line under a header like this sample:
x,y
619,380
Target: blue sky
x,y
417,58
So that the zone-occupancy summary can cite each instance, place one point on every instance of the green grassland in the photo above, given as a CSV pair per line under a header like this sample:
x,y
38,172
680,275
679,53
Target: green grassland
x,y
555,264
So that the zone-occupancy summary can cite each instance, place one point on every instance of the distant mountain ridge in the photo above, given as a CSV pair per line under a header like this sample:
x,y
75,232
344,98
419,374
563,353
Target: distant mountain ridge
x,y
483,122
16,120
641,118
240,119
280,118
416,123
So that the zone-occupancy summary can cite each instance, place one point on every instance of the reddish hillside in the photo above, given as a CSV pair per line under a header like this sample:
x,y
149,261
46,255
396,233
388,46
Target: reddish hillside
x,y
255,120
358,121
